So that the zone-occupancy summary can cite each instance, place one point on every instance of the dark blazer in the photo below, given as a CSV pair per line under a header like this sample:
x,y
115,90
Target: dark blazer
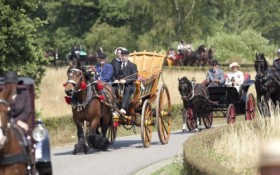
x,y
21,108
116,69
129,72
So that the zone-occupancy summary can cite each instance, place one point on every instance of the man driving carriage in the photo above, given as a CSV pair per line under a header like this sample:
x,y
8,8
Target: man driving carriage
x,y
215,76
125,73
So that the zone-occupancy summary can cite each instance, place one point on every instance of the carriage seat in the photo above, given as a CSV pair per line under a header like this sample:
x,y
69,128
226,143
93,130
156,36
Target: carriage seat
x,y
247,77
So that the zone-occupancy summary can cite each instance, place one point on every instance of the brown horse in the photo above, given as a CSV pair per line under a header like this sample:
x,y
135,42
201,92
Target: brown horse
x,y
14,158
194,58
92,102
206,58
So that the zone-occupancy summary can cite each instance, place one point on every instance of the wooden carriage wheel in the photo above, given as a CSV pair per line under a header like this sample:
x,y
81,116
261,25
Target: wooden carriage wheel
x,y
189,119
163,114
146,123
250,107
231,113
111,134
208,120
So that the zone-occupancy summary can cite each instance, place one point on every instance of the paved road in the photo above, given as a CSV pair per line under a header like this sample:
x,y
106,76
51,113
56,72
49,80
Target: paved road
x,y
125,157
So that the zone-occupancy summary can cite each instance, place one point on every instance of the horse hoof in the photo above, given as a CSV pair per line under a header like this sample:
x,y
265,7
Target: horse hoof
x,y
184,130
80,149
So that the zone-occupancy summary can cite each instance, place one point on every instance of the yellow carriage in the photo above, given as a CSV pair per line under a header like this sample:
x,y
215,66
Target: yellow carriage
x,y
150,105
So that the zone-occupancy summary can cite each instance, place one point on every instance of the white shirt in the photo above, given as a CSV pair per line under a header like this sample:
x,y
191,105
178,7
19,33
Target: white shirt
x,y
238,78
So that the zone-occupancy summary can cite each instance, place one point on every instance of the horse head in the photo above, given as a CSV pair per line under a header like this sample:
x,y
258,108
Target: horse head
x,y
185,86
261,65
201,49
76,80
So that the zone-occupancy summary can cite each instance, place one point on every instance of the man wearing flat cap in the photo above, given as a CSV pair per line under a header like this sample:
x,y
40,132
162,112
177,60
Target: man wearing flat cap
x,y
215,76
127,75
21,108
104,70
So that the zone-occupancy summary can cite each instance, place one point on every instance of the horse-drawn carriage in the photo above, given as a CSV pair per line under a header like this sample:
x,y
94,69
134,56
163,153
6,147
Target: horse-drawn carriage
x,y
97,114
185,57
143,112
20,154
226,100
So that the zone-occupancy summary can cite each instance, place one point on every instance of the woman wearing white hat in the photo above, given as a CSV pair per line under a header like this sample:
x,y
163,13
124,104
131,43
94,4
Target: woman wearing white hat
x,y
235,78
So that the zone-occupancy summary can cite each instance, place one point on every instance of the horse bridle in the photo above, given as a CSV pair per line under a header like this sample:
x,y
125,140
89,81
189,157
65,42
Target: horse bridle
x,y
191,94
76,89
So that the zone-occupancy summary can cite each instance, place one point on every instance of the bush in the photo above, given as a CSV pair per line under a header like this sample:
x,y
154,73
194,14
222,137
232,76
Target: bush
x,y
242,47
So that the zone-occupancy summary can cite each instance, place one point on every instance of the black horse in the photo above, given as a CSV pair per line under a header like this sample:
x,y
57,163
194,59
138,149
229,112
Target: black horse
x,y
267,84
193,58
196,103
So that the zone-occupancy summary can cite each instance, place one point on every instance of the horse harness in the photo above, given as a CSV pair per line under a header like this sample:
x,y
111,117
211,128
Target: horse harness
x,y
23,157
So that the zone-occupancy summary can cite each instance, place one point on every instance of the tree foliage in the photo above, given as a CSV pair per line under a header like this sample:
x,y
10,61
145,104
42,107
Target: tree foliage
x,y
18,31
248,26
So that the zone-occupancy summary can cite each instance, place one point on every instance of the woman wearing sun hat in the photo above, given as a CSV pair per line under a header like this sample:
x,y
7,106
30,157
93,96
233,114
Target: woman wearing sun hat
x,y
235,78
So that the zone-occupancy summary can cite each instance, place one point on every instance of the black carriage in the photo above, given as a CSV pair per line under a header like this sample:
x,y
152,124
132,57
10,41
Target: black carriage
x,y
38,137
228,101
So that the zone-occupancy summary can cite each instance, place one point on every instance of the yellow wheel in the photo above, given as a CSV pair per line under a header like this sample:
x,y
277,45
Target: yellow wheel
x,y
111,134
163,114
146,123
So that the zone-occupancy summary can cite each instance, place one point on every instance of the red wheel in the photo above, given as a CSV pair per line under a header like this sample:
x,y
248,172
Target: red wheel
x,y
231,114
250,107
208,120
190,120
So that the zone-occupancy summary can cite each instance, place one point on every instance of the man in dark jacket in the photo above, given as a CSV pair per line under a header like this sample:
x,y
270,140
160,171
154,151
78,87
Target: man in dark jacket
x,y
21,108
125,73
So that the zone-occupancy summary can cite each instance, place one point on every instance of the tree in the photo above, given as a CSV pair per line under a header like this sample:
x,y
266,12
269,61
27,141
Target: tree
x,y
18,48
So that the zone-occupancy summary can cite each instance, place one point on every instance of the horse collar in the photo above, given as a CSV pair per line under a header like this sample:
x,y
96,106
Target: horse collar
x,y
80,106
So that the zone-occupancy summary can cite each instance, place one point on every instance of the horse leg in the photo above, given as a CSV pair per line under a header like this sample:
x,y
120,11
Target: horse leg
x,y
259,103
196,122
184,119
98,141
266,105
80,147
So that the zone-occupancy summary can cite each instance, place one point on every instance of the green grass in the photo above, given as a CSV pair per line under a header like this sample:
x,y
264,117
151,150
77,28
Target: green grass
x,y
175,168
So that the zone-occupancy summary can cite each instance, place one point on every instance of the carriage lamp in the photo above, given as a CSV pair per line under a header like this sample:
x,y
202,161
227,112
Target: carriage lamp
x,y
39,132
